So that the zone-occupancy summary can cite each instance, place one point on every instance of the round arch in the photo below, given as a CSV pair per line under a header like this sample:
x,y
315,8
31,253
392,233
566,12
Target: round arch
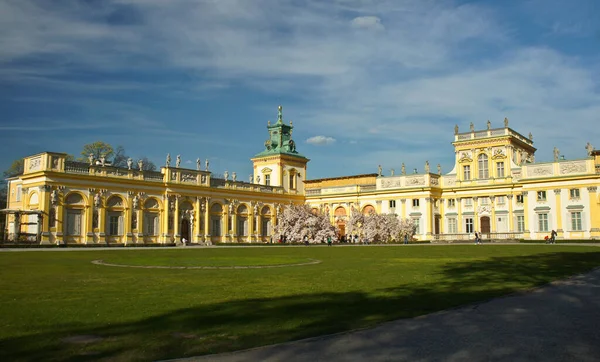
x,y
367,209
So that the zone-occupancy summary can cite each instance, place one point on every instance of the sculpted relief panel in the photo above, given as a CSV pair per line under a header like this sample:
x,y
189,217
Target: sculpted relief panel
x,y
391,182
545,170
572,167
415,181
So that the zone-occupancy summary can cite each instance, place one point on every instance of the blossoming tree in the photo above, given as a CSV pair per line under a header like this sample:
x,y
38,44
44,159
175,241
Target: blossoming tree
x,y
380,227
297,221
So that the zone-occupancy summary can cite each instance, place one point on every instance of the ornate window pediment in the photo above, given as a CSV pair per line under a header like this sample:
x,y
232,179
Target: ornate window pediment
x,y
266,170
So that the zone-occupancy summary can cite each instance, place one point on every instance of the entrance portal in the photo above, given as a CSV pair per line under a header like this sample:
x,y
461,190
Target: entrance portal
x,y
185,230
485,224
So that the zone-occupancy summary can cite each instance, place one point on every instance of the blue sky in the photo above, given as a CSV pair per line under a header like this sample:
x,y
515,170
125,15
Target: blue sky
x,y
364,82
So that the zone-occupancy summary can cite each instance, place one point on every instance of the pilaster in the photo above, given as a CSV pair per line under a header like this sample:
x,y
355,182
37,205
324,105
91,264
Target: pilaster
x,y
207,220
559,221
177,220
526,232
594,212
493,214
511,215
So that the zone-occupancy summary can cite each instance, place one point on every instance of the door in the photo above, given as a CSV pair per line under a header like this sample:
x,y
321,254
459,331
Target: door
x,y
437,224
185,229
485,224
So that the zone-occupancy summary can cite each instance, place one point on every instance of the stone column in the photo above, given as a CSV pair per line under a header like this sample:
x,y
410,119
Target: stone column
x,y
45,206
234,229
165,213
198,219
251,223
140,224
177,221
128,212
89,220
207,220
101,219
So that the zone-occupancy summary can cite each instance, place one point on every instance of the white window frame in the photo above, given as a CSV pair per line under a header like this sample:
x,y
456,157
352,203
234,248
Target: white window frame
x,y
469,225
19,192
574,194
392,203
468,202
483,166
520,223
541,196
576,222
451,202
452,226
500,169
415,202
466,172
543,222
267,180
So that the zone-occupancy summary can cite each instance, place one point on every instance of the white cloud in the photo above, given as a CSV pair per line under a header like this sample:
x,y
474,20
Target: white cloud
x,y
367,22
320,140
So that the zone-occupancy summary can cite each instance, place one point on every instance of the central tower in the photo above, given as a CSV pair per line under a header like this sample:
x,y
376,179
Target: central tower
x,y
279,164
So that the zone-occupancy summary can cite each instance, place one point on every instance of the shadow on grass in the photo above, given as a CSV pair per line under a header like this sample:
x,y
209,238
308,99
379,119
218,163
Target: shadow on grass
x,y
239,324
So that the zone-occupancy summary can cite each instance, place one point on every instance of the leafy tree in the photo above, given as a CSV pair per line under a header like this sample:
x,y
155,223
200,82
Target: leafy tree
x,y
15,168
115,156
148,165
97,149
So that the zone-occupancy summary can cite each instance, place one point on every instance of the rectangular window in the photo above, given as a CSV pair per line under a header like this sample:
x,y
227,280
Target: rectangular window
x,y
19,191
520,199
417,226
576,221
500,200
451,202
466,172
483,167
468,202
268,180
151,224
392,203
500,169
292,184
73,222
242,228
485,200
415,202
266,227
216,227
113,225
469,225
452,226
574,193
520,223
542,222
541,195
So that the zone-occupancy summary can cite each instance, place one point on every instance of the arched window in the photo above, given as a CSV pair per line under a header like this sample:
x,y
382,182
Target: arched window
x,y
482,162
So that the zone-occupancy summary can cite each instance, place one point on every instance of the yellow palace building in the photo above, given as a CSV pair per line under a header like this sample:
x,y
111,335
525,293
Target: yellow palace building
x,y
495,188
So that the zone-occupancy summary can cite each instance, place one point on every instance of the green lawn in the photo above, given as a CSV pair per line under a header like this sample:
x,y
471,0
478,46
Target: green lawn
x,y
148,314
